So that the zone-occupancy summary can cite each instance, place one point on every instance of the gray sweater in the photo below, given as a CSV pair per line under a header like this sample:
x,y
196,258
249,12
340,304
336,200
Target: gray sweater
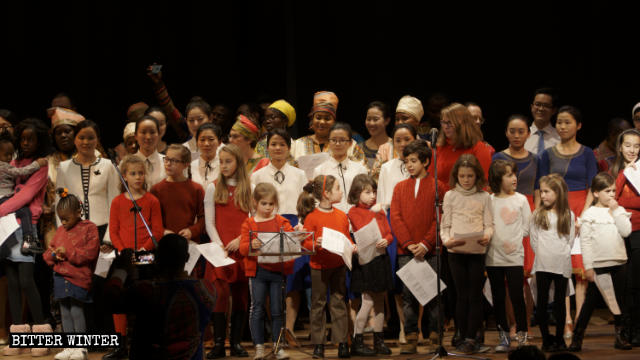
x,y
8,174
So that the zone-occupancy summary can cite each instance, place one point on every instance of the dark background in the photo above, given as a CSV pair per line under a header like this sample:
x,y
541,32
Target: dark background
x,y
494,54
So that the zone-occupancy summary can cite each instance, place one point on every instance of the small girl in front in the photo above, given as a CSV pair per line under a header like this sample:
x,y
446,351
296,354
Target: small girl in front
x,y
328,270
467,210
552,233
603,228
264,278
372,279
72,254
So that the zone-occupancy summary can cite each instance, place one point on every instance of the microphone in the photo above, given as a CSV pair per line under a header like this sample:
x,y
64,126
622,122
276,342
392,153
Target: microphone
x,y
433,136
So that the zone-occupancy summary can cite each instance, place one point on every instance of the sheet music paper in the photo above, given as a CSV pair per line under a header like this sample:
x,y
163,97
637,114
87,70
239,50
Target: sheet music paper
x,y
214,253
486,290
308,163
271,245
534,289
633,175
194,255
8,225
104,263
420,279
605,285
335,242
471,245
366,239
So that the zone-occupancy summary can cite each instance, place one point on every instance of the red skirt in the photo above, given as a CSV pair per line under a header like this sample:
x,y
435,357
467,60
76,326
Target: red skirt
x,y
529,255
576,203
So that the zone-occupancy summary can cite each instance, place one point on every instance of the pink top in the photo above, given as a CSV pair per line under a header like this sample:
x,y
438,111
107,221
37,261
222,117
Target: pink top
x,y
28,193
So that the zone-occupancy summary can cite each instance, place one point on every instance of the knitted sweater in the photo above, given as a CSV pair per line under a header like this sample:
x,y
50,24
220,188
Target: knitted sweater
x,y
251,261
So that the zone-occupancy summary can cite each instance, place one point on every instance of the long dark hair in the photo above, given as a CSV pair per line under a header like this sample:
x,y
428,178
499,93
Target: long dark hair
x,y
42,133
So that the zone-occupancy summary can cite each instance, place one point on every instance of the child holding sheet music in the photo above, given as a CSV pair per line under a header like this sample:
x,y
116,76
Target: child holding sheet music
x,y
372,279
603,227
328,270
467,226
264,278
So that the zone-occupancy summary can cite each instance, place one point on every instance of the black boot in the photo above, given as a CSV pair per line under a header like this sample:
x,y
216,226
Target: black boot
x,y
379,346
237,328
457,338
118,353
576,340
621,341
634,337
318,352
359,349
343,350
219,334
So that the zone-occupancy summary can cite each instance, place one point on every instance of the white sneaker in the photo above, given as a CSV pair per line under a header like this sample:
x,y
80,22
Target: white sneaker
x,y
282,355
259,352
79,354
64,354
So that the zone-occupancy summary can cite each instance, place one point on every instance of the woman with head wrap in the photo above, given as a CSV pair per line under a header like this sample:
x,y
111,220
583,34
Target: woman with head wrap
x,y
244,134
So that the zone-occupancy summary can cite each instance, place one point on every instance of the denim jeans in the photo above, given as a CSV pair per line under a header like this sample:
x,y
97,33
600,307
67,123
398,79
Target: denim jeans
x,y
265,282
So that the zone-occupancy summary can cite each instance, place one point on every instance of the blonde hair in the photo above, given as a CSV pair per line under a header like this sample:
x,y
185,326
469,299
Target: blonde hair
x,y
185,156
467,132
541,215
242,194
265,191
129,161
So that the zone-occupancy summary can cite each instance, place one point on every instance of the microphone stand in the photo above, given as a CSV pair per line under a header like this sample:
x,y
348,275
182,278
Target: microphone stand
x,y
136,210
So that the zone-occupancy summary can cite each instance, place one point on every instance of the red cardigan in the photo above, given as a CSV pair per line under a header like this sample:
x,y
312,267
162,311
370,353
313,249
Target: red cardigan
x,y
629,199
361,215
82,246
413,218
251,262
448,155
121,222
315,221
181,203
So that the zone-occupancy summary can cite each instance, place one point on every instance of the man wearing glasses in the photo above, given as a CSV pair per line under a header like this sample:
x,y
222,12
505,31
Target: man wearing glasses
x,y
543,134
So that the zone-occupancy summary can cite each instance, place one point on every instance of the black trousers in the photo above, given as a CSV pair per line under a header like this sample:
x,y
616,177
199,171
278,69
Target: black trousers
x,y
468,276
515,279
543,283
20,277
632,292
619,278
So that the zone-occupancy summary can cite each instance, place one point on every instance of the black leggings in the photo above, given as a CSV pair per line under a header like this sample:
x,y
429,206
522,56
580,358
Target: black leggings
x,y
20,279
467,271
515,280
543,284
619,278
632,292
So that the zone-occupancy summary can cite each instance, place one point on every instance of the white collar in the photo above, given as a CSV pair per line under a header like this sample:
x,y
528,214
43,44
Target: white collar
x,y
344,163
202,163
275,169
547,129
153,157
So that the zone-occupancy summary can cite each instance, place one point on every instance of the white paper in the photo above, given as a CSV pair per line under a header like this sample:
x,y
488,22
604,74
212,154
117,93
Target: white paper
x,y
308,163
420,279
605,285
214,253
633,175
471,245
8,225
104,263
486,290
366,239
194,255
271,245
534,289
576,249
335,242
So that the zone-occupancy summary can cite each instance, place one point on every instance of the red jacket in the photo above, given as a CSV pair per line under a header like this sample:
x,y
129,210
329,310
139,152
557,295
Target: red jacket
x,y
361,215
82,245
251,261
629,199
316,221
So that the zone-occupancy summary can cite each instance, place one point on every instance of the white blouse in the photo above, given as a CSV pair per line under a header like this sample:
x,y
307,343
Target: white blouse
x,y
391,173
289,185
553,252
511,217
154,166
192,145
344,172
203,174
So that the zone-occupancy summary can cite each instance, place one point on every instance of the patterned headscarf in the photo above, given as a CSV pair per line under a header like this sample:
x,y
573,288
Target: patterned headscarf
x,y
246,127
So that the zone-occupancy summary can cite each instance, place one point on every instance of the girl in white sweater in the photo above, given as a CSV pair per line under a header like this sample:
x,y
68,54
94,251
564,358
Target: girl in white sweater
x,y
604,227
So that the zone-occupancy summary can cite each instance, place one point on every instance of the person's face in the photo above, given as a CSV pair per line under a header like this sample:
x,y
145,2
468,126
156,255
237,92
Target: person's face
x,y
448,129
238,139
509,182
62,101
265,207
273,120
335,195
162,121
277,148
630,147
147,136
173,164
339,142
228,164
208,143
28,142
415,167
6,152
542,109
131,145
86,141
517,133
219,115
195,118
567,126
404,118
134,176
466,177
63,135
375,121
605,196
69,218
476,112
321,123
368,196
5,125
401,139
547,195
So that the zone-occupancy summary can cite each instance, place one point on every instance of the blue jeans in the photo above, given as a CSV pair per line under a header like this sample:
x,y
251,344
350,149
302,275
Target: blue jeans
x,y
265,282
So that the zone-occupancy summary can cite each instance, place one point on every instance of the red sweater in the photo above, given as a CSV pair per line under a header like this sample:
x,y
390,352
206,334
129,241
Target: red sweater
x,y
121,222
413,218
181,203
81,245
629,199
315,221
251,262
361,215
448,155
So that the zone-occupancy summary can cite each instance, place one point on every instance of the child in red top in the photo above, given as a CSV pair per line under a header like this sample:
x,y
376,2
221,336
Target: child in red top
x,y
121,218
226,206
372,279
264,278
328,270
72,254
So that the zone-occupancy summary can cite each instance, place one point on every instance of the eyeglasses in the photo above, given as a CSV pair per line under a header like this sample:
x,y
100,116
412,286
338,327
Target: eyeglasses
x,y
172,161
542,105
446,123
339,141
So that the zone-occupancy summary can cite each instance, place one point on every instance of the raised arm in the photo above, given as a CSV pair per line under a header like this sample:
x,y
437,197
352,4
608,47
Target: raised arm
x,y
175,118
